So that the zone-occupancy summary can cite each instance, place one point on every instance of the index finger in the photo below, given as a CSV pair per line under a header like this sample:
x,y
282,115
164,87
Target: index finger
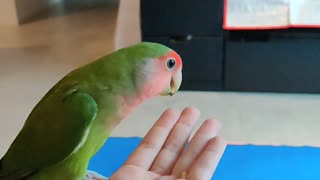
x,y
145,153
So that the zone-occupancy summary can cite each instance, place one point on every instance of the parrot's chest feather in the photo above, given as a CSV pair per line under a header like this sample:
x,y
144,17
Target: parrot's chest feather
x,y
125,105
128,104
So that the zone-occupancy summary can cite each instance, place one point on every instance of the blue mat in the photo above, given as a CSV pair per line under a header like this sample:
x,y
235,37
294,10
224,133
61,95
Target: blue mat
x,y
247,162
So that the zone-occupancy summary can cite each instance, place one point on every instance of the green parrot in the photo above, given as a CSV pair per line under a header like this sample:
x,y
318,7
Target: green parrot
x,y
76,116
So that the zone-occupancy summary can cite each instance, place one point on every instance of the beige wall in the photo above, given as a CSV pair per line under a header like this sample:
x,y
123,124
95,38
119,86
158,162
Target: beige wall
x,y
128,24
8,14
13,12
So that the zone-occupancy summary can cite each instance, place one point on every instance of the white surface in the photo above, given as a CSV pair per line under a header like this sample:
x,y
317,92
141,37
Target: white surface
x,y
266,13
256,13
246,117
305,12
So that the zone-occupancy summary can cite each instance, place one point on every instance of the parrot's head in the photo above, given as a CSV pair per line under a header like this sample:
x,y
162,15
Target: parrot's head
x,y
161,70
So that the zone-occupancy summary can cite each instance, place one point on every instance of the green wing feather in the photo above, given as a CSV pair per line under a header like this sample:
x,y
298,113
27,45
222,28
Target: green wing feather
x,y
54,129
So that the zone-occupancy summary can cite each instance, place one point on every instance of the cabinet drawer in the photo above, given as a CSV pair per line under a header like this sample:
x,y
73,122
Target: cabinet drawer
x,y
202,85
181,17
273,66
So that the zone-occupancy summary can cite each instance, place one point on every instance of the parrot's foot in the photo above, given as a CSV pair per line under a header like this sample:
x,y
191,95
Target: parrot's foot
x,y
91,175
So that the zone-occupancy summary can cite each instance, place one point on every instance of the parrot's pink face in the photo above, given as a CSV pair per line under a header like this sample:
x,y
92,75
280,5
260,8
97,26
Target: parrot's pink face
x,y
164,75
172,70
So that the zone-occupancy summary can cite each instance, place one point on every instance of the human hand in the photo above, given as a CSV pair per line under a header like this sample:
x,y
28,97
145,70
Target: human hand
x,y
163,154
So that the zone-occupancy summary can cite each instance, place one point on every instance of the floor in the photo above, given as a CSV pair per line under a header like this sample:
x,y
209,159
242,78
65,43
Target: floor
x,y
37,54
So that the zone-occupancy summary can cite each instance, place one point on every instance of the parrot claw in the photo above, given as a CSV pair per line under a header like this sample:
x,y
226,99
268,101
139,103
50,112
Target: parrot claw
x,y
91,175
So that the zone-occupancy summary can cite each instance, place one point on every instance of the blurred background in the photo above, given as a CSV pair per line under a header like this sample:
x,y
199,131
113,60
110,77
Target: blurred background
x,y
262,85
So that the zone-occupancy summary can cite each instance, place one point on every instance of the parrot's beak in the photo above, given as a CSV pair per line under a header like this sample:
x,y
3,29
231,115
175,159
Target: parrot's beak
x,y
175,83
174,86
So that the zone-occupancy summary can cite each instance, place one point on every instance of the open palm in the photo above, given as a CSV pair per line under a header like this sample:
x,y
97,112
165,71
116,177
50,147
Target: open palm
x,y
165,154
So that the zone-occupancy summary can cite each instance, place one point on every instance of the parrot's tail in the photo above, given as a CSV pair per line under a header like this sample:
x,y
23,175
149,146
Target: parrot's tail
x,y
11,177
1,169
5,176
2,173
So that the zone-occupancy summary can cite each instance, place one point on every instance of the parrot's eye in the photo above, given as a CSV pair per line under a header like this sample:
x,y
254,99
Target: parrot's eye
x,y
171,63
